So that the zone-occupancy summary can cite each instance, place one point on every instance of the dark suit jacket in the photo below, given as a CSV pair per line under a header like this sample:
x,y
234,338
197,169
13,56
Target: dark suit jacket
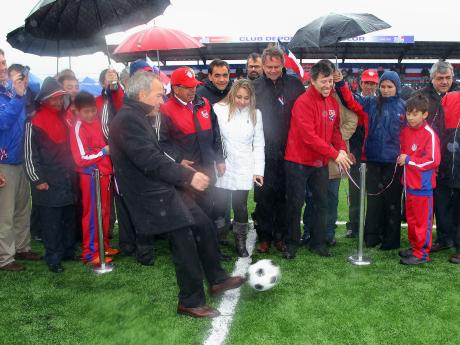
x,y
146,178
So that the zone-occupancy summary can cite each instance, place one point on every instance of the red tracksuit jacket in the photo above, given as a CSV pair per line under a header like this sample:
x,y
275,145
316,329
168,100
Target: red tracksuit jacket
x,y
87,141
421,145
314,134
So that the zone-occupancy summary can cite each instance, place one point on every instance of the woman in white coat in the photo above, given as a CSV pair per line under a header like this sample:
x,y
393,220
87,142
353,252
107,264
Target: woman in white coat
x,y
242,134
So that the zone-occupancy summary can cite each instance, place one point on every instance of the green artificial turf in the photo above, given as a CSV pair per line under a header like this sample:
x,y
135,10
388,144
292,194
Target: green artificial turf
x,y
318,301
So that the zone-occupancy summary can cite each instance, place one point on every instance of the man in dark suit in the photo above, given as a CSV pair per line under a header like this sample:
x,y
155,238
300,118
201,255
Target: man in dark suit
x,y
147,179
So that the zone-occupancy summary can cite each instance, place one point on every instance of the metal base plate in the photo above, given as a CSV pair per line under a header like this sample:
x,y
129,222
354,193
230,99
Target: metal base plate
x,y
360,261
104,268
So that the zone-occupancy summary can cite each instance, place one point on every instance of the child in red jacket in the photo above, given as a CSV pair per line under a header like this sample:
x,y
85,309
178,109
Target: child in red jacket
x,y
90,151
420,156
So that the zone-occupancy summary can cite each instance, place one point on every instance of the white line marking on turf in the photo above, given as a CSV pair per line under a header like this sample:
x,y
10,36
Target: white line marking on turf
x,y
221,324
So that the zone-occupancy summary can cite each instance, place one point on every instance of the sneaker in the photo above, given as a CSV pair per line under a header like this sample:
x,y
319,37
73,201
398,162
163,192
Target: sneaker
x,y
413,260
56,268
112,251
405,253
13,267
351,234
30,255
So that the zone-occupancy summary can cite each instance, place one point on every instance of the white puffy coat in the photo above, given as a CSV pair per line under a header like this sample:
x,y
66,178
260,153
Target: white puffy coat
x,y
243,146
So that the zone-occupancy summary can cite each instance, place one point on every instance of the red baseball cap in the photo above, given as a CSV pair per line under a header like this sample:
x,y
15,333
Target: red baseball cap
x,y
184,76
370,75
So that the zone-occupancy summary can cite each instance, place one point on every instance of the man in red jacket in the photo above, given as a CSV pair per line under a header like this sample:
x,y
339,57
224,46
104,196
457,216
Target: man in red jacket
x,y
314,138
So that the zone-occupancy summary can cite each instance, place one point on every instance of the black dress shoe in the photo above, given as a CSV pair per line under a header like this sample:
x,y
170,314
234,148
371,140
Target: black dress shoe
x,y
332,243
321,251
56,268
455,258
288,255
437,247
203,311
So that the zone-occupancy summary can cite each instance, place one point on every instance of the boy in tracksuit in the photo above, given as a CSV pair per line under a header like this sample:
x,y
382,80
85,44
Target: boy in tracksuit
x,y
90,152
420,156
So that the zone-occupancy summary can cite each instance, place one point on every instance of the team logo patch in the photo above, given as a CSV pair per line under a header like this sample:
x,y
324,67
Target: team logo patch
x,y
414,147
205,114
190,74
331,115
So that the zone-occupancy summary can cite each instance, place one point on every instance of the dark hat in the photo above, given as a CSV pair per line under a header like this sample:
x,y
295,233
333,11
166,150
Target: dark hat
x,y
137,65
50,88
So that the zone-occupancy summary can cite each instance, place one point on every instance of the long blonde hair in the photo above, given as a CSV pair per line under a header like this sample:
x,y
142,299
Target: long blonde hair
x,y
230,99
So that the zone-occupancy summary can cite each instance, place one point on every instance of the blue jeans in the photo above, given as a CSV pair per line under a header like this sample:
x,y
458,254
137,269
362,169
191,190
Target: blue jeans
x,y
332,205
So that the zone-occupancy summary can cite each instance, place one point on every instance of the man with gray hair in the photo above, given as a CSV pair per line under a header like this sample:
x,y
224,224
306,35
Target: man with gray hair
x,y
276,93
152,184
442,81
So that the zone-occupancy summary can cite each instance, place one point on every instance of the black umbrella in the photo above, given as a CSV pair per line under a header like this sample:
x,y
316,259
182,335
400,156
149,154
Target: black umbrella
x,y
26,42
82,19
329,30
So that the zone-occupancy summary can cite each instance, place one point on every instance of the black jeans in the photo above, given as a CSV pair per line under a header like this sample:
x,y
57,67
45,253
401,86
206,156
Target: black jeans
x,y
297,176
383,216
194,252
239,203
58,233
270,212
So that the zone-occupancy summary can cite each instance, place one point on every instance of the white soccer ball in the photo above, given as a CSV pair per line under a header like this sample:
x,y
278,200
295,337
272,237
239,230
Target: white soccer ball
x,y
263,275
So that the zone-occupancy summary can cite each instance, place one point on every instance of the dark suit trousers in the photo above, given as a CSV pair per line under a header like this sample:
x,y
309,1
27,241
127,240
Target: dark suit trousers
x,y
194,251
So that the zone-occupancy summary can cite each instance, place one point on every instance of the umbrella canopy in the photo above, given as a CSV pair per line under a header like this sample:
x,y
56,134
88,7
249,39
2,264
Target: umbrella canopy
x,y
156,38
330,29
74,20
91,86
26,42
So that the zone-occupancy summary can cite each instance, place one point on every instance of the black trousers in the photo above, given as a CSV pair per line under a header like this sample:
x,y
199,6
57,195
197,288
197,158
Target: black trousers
x,y
270,212
58,233
126,231
239,202
35,225
354,198
297,176
444,212
194,251
456,221
383,216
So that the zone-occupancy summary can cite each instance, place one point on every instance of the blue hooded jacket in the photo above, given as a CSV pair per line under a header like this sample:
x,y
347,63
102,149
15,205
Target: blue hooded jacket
x,y
384,120
12,123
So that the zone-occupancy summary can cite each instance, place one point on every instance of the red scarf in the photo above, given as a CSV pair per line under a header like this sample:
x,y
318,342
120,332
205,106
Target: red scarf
x,y
50,121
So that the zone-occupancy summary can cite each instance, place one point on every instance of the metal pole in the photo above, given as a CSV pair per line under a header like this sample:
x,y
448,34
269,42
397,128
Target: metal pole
x,y
103,268
359,259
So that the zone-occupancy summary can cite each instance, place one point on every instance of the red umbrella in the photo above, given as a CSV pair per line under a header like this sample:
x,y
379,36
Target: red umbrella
x,y
156,38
